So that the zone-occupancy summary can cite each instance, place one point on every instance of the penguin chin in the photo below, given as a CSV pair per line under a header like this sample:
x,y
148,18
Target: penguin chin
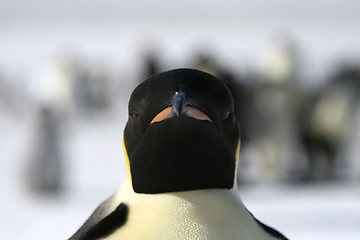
x,y
181,154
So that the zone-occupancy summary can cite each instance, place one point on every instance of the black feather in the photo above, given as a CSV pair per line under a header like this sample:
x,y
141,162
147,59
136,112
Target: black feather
x,y
107,225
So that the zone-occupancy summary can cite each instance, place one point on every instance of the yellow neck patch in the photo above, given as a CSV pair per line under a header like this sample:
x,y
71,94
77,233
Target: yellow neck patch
x,y
128,172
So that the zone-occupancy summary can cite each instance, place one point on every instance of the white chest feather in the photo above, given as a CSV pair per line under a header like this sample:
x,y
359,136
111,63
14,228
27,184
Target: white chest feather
x,y
197,215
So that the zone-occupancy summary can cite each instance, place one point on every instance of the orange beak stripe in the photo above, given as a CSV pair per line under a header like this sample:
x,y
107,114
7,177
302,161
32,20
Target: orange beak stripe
x,y
191,112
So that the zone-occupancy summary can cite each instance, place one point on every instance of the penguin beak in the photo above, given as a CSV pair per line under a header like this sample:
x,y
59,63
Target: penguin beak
x,y
180,106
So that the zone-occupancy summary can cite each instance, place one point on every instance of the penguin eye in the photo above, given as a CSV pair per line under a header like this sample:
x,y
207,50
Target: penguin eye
x,y
226,115
134,115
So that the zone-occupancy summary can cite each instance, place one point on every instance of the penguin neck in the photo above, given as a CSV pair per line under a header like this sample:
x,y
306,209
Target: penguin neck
x,y
128,179
127,187
127,193
127,190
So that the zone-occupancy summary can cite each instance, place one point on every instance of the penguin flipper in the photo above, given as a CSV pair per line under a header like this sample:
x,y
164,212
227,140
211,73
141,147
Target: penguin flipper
x,y
102,223
273,232
269,230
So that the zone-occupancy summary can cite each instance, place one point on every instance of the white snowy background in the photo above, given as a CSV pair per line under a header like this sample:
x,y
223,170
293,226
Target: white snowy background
x,y
36,35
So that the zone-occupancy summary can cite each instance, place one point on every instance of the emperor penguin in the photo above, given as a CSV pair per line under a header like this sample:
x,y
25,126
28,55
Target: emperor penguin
x,y
181,143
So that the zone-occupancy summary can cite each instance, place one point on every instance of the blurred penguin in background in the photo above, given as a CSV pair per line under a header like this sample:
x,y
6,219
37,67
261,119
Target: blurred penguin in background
x,y
330,124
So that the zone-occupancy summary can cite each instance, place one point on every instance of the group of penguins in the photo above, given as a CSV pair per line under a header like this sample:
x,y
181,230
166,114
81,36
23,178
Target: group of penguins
x,y
181,145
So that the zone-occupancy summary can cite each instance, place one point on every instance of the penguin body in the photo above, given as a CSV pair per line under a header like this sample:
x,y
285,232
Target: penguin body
x,y
181,144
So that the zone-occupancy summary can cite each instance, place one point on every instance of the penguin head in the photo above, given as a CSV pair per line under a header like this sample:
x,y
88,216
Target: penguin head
x,y
181,133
